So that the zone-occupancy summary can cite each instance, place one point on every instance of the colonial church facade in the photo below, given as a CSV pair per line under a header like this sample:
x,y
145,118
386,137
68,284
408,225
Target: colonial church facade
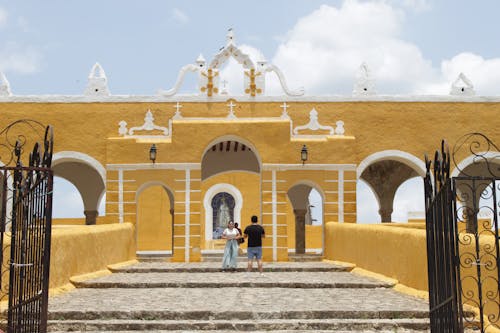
x,y
179,167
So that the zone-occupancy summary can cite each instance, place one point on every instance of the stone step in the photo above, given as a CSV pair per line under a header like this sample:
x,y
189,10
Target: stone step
x,y
211,267
392,330
235,315
305,257
237,280
312,325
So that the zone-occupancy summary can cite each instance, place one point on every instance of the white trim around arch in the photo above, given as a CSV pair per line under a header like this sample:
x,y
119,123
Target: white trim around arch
x,y
207,203
74,156
491,157
394,155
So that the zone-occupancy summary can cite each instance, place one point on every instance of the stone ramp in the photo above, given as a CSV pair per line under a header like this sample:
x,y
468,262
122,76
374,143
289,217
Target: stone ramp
x,y
290,297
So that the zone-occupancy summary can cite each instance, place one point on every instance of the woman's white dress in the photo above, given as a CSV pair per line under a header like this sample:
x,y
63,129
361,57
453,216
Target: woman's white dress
x,y
231,250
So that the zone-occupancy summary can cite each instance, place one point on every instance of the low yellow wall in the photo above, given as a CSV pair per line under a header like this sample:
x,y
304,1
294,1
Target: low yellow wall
x,y
398,253
78,250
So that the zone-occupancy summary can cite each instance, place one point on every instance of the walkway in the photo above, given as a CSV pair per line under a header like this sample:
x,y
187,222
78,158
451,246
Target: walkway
x,y
298,297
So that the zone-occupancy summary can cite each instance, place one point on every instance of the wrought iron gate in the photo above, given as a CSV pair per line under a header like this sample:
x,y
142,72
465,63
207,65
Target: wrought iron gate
x,y
462,216
25,227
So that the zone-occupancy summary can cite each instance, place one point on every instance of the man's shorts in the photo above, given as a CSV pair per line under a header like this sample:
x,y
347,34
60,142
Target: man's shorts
x,y
254,252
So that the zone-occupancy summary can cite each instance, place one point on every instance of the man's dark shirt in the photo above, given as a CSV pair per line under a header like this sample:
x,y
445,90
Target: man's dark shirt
x,y
254,232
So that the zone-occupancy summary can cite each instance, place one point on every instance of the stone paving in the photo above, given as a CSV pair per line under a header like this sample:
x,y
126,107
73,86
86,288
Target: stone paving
x,y
169,297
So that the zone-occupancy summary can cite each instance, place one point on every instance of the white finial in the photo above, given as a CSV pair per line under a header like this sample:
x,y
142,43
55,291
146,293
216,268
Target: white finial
x,y
201,62
4,86
365,85
230,36
98,82
462,86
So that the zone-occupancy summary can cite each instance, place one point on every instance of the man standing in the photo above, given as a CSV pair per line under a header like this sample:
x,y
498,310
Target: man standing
x,y
254,233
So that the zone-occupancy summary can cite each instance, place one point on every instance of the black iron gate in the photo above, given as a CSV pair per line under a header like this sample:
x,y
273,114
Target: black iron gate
x,y
25,226
462,216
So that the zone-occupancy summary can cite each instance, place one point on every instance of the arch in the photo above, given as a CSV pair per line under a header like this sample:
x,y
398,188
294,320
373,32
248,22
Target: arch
x,y
237,153
301,211
394,155
72,156
87,175
159,221
153,183
207,204
489,156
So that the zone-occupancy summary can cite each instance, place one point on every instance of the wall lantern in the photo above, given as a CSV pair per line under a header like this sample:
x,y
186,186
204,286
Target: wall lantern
x,y
303,154
152,153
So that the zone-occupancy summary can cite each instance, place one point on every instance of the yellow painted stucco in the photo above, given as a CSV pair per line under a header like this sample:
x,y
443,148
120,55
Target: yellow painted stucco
x,y
90,128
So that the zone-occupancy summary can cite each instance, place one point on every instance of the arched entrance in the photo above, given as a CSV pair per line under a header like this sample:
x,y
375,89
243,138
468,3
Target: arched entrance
x,y
155,219
231,183
87,175
307,226
384,172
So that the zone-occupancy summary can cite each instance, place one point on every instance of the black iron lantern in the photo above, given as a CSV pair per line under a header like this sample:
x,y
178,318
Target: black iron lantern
x,y
152,153
303,154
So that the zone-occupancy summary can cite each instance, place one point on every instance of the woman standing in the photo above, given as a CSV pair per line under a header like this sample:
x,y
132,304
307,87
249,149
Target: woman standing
x,y
231,234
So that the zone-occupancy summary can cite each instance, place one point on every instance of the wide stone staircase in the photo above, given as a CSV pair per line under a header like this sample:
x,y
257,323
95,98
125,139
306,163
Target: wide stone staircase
x,y
289,297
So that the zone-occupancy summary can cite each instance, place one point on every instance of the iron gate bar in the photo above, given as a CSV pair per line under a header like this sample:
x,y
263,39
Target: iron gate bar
x,y
455,255
26,206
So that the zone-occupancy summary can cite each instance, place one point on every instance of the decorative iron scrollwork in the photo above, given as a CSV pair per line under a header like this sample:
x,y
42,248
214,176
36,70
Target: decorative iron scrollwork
x,y
462,217
25,224
482,149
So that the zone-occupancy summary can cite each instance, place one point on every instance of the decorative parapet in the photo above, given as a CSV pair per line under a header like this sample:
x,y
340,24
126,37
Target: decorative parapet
x,y
365,84
208,77
147,126
462,86
314,125
97,82
4,86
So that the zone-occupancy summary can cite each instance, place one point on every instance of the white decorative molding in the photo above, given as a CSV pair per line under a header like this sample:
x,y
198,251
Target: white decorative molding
x,y
395,155
147,126
231,114
4,86
177,114
365,85
462,86
97,82
180,79
313,124
187,216
231,50
74,156
281,78
284,114
339,130
207,204
491,157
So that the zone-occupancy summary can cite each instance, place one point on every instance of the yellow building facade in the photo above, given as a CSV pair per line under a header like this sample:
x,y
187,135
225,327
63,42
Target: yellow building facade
x,y
221,157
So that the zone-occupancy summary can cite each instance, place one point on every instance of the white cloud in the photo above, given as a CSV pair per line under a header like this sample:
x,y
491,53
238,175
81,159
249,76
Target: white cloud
x,y
20,59
417,5
324,50
179,16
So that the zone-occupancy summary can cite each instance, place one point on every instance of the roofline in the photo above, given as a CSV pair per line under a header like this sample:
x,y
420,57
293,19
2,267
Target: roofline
x,y
241,98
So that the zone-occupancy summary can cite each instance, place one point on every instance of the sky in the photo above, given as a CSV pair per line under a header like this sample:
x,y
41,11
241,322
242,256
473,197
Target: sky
x,y
410,46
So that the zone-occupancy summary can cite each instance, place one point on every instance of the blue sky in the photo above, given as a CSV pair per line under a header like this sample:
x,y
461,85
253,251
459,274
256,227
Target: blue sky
x,y
411,46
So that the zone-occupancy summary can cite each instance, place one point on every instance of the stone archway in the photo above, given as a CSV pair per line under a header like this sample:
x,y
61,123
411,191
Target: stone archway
x,y
298,195
87,175
384,172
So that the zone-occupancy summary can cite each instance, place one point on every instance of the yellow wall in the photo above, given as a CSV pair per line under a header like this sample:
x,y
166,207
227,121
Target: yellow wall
x,y
77,250
398,253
